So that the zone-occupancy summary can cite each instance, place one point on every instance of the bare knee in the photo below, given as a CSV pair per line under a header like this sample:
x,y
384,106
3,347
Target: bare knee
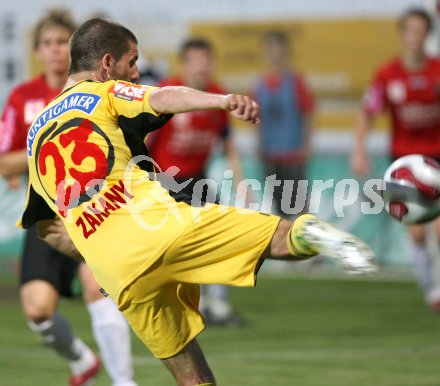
x,y
189,367
39,300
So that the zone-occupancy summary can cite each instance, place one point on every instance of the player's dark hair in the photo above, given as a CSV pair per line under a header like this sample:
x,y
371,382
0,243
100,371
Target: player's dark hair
x,y
197,43
416,12
57,17
277,36
93,39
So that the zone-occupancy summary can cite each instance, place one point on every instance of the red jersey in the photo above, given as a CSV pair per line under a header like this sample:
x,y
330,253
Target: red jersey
x,y
23,105
413,100
188,139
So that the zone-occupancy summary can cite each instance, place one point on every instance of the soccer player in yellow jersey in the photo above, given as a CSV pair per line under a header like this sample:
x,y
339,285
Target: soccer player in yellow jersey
x,y
91,195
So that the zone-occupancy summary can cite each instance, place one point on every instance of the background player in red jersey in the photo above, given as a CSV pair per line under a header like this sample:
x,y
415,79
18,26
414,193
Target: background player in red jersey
x,y
188,141
45,273
409,87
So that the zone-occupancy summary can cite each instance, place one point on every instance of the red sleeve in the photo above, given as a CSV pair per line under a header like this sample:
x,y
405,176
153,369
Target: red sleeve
x,y
12,132
306,100
152,139
373,102
172,81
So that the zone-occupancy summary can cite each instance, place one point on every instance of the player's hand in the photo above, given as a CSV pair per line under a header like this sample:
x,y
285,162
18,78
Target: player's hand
x,y
54,233
242,107
359,164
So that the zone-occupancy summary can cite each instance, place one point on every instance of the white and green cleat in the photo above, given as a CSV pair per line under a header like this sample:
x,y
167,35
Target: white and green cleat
x,y
348,251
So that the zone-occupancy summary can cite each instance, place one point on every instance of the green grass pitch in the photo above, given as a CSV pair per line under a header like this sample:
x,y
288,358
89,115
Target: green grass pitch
x,y
300,332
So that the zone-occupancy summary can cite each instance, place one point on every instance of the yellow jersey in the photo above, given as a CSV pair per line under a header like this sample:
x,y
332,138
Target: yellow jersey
x,y
89,166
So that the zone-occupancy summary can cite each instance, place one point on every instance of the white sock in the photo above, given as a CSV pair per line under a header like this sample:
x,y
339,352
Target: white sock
x,y
202,300
112,334
86,357
218,301
422,266
218,291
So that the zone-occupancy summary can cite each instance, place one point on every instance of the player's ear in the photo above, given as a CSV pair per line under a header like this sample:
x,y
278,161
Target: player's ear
x,y
108,62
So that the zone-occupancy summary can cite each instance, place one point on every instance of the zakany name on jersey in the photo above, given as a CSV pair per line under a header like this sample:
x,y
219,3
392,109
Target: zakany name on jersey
x,y
102,207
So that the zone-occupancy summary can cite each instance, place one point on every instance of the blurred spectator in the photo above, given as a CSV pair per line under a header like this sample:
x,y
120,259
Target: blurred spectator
x,y
286,122
408,87
187,142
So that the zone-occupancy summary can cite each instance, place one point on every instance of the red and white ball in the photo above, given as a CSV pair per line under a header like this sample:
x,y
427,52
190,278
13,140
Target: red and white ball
x,y
412,189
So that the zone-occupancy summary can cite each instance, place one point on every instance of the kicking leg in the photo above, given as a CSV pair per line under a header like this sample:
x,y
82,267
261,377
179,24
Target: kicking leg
x,y
189,367
307,236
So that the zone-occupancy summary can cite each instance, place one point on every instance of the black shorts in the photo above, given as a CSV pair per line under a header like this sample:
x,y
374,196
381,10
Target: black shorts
x,y
42,262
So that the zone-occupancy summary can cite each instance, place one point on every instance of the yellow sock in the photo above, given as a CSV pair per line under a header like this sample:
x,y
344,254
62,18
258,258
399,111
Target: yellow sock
x,y
296,244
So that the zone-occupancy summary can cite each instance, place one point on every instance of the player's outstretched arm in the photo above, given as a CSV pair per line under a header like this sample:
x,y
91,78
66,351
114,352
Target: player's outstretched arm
x,y
55,234
180,99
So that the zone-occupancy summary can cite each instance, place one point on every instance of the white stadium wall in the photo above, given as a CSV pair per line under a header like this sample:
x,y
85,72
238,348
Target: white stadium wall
x,y
160,24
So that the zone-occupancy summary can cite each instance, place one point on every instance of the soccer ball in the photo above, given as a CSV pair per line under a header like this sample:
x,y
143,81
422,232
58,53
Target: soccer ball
x,y
412,189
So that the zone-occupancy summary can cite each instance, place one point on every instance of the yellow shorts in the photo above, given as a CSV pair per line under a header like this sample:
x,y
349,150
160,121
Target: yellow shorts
x,y
224,246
